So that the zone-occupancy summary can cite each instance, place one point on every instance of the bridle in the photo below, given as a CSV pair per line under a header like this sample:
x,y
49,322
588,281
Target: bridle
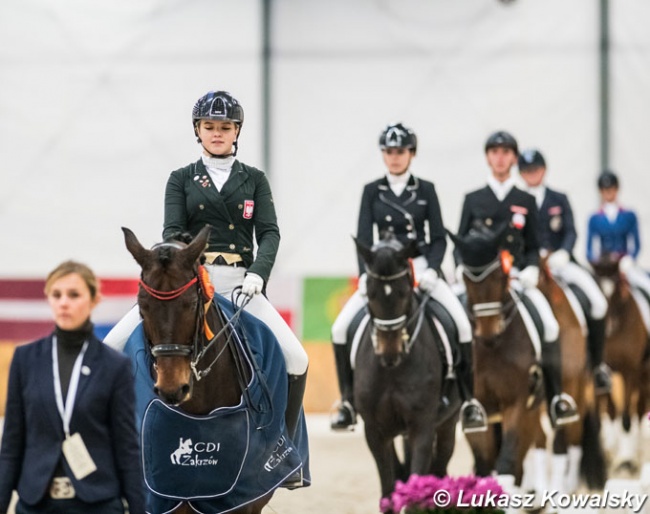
x,y
196,350
478,274
399,323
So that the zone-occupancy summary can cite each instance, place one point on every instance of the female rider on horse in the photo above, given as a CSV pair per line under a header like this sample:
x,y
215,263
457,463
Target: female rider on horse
x,y
557,237
236,200
500,203
407,206
615,230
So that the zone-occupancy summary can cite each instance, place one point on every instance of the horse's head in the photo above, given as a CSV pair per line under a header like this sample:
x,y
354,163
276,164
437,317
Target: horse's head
x,y
390,295
486,272
170,304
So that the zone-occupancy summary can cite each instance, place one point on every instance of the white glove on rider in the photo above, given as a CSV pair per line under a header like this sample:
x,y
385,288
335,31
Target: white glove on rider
x,y
362,285
529,277
252,285
625,264
428,280
558,259
460,271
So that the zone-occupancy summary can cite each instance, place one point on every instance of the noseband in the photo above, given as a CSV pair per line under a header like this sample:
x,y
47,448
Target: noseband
x,y
400,322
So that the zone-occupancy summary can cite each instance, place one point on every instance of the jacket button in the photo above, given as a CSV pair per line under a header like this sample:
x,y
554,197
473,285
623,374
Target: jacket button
x,y
231,226
232,246
201,206
510,239
240,206
488,222
389,218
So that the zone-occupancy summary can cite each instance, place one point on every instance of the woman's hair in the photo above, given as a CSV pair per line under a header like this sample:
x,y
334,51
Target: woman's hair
x,y
69,267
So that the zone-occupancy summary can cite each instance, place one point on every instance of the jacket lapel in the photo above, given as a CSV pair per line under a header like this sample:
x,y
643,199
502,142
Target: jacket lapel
x,y
89,366
200,177
237,177
45,372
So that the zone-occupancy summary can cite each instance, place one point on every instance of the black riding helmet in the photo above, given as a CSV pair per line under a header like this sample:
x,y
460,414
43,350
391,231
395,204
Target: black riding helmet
x,y
397,135
607,179
529,159
502,139
218,106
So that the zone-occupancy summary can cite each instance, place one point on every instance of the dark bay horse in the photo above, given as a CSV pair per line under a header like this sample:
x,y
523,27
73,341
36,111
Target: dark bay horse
x,y
626,353
196,365
578,443
507,378
399,372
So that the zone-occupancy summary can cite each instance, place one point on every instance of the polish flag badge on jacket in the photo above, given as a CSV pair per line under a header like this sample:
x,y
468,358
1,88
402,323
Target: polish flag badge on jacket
x,y
518,216
249,206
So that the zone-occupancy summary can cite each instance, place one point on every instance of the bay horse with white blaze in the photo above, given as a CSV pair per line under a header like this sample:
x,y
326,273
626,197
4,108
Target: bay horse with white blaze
x,y
507,378
399,372
196,372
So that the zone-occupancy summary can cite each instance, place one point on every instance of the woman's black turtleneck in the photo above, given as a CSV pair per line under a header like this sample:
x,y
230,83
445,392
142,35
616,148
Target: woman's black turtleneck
x,y
69,343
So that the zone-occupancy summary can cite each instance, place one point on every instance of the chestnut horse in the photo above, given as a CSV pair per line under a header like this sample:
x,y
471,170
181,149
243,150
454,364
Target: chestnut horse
x,y
399,374
576,446
507,376
196,374
625,352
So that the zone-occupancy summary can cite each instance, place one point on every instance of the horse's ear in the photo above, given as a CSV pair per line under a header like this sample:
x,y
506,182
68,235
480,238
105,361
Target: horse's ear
x,y
410,250
456,240
139,252
197,246
363,250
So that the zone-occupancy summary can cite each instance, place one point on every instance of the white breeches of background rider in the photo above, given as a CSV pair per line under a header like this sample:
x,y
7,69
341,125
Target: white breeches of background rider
x,y
551,326
225,279
441,292
577,275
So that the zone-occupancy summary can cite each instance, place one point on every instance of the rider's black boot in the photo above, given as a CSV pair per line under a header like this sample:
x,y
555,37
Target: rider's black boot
x,y
295,395
346,417
472,414
562,408
596,344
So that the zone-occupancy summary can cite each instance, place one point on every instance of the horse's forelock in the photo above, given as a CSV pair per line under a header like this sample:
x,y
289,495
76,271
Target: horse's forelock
x,y
387,260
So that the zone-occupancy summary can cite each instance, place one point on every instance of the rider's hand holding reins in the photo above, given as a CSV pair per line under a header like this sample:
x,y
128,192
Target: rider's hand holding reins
x,y
529,277
428,280
558,259
252,285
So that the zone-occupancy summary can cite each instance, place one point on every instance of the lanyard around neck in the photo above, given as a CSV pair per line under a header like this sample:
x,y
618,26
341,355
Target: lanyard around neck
x,y
66,412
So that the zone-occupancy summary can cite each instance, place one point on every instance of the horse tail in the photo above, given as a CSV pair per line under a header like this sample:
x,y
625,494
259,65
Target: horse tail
x,y
592,466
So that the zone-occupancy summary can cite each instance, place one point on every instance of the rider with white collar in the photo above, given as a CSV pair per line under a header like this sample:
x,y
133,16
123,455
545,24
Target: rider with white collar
x,y
557,236
615,230
501,203
236,200
407,206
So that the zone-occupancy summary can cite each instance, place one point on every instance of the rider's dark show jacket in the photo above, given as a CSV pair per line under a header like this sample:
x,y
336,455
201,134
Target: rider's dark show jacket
x,y
103,414
555,221
518,210
242,210
413,215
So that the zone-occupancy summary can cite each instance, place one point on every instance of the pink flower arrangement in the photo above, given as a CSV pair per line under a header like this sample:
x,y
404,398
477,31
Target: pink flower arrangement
x,y
427,494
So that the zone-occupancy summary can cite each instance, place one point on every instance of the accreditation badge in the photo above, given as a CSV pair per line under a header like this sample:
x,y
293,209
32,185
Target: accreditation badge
x,y
249,206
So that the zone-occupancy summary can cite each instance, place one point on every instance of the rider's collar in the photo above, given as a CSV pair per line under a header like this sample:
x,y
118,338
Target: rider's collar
x,y
500,189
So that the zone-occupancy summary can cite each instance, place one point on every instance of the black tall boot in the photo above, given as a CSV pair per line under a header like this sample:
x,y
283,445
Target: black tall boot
x,y
562,408
596,344
295,395
473,417
346,417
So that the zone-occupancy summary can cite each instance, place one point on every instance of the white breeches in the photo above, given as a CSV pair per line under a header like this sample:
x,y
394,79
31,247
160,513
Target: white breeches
x,y
441,292
576,275
225,279
551,326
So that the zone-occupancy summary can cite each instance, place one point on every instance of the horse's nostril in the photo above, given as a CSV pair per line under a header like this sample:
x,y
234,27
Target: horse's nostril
x,y
156,391
185,390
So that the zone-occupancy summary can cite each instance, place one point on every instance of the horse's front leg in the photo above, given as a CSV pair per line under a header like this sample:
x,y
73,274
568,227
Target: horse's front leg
x,y
382,450
514,443
421,440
